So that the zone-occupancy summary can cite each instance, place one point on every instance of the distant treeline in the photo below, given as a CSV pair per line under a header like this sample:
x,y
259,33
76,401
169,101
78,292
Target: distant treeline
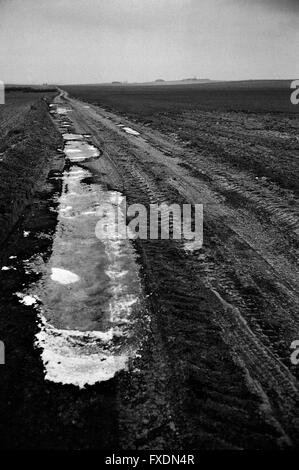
x,y
29,89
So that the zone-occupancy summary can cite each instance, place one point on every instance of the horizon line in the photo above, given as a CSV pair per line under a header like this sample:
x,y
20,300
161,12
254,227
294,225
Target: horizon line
x,y
157,82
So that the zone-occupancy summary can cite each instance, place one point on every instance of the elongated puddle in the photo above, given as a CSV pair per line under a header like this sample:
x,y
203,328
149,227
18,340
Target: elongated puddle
x,y
89,294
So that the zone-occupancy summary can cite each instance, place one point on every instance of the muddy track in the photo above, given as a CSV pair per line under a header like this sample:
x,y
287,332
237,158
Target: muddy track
x,y
223,317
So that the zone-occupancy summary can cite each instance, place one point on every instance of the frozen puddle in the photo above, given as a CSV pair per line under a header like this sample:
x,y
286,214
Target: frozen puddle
x,y
27,300
63,276
78,358
59,110
78,151
70,136
89,295
128,130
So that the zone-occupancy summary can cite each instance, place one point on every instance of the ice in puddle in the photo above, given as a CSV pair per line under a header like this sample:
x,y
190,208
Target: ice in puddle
x,y
63,276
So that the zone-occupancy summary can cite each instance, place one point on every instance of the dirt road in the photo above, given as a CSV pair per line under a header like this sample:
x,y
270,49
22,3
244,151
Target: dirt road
x,y
214,369
229,312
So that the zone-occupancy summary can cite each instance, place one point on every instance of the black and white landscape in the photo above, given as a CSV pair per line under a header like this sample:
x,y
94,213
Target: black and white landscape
x,y
112,338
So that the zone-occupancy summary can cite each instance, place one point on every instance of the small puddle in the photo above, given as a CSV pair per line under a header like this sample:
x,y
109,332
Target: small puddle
x,y
131,131
79,150
89,294
70,136
59,110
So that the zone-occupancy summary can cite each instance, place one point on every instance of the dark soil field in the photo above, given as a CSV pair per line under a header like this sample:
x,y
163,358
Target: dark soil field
x,y
146,101
27,141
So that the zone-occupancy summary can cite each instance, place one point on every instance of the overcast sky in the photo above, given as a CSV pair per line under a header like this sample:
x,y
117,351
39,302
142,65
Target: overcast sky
x,y
86,41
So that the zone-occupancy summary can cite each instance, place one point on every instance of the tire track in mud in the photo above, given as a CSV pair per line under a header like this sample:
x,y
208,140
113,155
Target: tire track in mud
x,y
252,352
266,198
262,194
255,341
156,196
268,201
263,353
244,345
272,238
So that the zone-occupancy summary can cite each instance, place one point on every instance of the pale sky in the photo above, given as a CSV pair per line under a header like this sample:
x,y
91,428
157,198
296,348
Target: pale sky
x,y
93,41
